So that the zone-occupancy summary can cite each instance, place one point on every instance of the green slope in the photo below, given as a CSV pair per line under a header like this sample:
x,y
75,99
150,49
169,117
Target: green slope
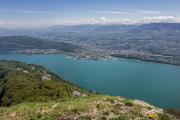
x,y
21,82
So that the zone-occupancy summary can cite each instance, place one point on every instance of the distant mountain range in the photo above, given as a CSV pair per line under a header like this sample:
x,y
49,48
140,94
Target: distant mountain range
x,y
155,40
92,28
17,43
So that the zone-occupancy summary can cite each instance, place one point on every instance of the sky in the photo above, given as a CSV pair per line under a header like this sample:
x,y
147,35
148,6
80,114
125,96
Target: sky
x,y
41,13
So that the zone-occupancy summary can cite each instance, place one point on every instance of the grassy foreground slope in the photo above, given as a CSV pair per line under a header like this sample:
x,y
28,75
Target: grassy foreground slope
x,y
97,107
29,92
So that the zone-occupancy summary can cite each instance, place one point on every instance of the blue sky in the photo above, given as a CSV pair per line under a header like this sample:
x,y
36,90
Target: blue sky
x,y
35,13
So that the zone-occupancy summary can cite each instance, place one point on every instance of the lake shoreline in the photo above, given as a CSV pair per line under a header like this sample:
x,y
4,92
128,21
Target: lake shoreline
x,y
151,61
71,55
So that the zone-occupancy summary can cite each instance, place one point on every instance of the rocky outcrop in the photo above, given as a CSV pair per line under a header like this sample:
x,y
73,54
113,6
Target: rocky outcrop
x,y
46,76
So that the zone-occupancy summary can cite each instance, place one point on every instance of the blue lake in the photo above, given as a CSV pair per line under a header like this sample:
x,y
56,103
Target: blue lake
x,y
158,84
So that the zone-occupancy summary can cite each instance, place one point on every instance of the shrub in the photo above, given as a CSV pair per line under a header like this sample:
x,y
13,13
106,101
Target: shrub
x,y
128,102
106,113
84,118
173,112
152,116
98,106
122,117
115,111
103,118
163,117
111,100
74,110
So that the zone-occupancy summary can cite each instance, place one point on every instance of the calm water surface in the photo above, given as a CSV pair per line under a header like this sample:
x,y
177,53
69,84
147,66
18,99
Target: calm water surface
x,y
158,84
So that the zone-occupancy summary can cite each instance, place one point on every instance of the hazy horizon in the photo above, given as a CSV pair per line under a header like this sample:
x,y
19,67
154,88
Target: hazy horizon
x,y
44,13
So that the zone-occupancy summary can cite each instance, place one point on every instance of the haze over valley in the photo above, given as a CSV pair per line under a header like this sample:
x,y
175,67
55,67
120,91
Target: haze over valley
x,y
157,42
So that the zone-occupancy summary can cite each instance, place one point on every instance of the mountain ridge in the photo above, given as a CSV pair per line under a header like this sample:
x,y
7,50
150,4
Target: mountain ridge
x,y
16,43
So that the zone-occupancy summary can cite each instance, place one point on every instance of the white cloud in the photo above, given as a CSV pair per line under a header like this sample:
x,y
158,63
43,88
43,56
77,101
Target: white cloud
x,y
112,12
6,24
152,12
153,19
104,20
160,19
95,20
1,23
98,20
